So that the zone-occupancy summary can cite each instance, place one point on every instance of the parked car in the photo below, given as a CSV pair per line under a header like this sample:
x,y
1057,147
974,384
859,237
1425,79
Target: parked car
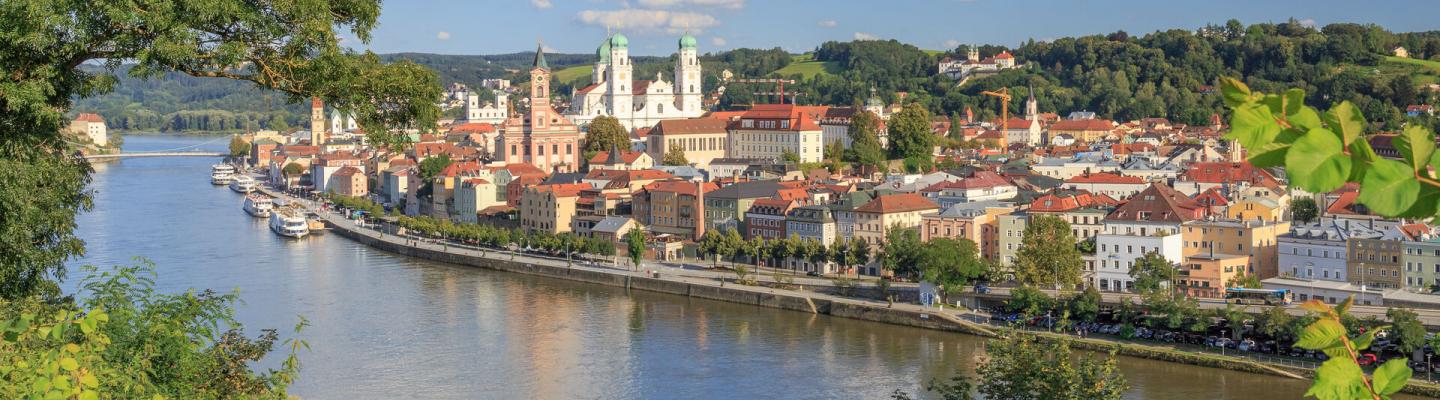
x,y
1366,359
982,288
1245,345
812,273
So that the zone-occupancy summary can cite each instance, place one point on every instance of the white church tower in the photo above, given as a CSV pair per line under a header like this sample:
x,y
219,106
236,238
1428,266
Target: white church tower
x,y
622,104
687,76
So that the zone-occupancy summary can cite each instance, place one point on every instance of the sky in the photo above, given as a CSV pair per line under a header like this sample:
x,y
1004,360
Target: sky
x,y
578,26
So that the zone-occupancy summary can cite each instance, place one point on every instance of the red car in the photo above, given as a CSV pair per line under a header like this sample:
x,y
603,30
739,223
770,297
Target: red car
x,y
1366,359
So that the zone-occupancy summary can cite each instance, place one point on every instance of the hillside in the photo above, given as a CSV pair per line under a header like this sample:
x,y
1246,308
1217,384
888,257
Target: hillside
x,y
807,67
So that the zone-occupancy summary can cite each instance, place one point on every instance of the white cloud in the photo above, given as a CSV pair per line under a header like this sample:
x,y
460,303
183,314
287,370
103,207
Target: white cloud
x,y
648,21
727,4
1308,23
952,43
548,49
541,4
442,35
829,23
718,41
865,36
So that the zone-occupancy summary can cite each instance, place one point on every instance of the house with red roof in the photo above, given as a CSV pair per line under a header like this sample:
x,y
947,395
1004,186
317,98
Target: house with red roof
x,y
979,186
1084,211
766,218
877,218
1083,130
771,131
624,160
92,127
1148,223
550,208
1235,176
673,207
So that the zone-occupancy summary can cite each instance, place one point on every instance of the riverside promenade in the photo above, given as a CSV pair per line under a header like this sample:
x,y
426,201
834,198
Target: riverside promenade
x,y
715,285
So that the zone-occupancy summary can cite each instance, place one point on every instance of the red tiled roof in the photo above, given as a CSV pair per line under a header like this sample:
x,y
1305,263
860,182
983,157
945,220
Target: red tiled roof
x,y
792,194
473,127
1159,203
90,117
696,126
1004,55
1211,198
627,157
346,171
1105,177
894,203
1346,205
1055,202
638,87
459,168
563,189
1228,172
587,89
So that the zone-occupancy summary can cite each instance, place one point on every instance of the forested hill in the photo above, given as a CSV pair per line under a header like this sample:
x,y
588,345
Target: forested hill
x,y
1117,75
1162,74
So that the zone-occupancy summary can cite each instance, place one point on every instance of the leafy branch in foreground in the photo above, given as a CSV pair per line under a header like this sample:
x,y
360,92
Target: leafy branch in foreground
x,y
1322,152
1340,377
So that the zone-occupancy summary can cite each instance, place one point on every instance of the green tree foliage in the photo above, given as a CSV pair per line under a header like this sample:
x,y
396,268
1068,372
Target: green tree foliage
x,y
865,149
239,147
1275,322
1303,210
635,246
789,157
1340,377
606,133
1248,281
132,342
1405,327
1153,274
1086,305
675,156
910,135
950,263
901,252
433,166
1047,254
1321,152
291,48
1028,301
292,170
1021,367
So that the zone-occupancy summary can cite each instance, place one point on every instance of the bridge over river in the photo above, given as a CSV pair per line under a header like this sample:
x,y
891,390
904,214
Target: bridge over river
x,y
156,154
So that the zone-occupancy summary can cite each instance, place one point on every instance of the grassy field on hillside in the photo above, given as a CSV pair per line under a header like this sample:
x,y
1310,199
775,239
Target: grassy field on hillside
x,y
571,74
1422,72
808,67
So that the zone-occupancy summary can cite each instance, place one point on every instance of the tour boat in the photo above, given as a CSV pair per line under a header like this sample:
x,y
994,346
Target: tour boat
x,y
222,174
243,184
289,222
258,205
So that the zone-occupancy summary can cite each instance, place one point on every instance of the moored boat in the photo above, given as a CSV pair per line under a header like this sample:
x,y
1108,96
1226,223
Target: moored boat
x,y
243,184
259,205
289,222
222,174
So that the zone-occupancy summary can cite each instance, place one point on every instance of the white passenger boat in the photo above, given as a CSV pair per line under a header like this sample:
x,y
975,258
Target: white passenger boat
x,y
222,174
243,184
259,205
289,222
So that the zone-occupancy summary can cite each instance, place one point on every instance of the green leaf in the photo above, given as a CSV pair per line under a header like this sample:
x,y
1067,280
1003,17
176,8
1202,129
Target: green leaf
x,y
1338,378
1426,205
1416,144
69,364
1362,342
1389,188
1269,155
1253,125
1344,306
1317,306
1346,120
1234,91
1322,334
1391,376
1315,162
89,395
1296,113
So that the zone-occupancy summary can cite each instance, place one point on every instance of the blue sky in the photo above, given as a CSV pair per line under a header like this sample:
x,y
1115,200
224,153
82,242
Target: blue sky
x,y
577,26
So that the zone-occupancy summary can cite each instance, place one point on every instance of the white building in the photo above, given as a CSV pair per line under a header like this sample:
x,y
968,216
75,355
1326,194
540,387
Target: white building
x,y
767,131
92,127
1116,186
1150,222
638,103
972,64
1317,251
342,122
495,112
474,195
1066,168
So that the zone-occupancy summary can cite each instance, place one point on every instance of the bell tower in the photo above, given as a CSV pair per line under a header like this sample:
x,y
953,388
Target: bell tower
x,y
317,122
540,91
687,76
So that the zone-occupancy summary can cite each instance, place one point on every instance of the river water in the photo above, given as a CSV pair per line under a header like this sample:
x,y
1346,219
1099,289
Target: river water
x,y
390,327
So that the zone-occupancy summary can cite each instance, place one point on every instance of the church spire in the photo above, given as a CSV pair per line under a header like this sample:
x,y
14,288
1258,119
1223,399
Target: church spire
x,y
540,56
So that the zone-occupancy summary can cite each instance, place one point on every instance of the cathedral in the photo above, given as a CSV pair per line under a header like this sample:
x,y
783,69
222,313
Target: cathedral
x,y
638,103
544,138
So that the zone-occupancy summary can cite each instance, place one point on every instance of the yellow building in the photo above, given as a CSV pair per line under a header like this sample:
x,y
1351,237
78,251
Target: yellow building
x,y
549,208
1207,275
874,219
702,139
1256,241
1255,208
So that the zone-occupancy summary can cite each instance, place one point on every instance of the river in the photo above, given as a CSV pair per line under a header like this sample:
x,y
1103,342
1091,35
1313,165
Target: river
x,y
386,326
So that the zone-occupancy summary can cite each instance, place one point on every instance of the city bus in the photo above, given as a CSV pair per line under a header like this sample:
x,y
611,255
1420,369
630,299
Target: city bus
x,y
1269,297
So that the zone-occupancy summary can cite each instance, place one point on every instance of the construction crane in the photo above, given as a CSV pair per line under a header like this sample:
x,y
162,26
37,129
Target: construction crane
x,y
779,89
1004,95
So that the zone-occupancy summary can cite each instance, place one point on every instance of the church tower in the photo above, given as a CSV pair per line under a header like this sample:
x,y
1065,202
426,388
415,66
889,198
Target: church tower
x,y
602,62
1032,107
622,105
974,54
687,76
317,122
540,91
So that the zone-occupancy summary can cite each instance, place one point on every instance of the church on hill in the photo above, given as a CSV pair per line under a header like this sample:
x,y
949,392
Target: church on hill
x,y
635,102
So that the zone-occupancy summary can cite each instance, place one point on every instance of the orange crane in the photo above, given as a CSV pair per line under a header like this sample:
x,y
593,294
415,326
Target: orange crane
x,y
1004,95
779,90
